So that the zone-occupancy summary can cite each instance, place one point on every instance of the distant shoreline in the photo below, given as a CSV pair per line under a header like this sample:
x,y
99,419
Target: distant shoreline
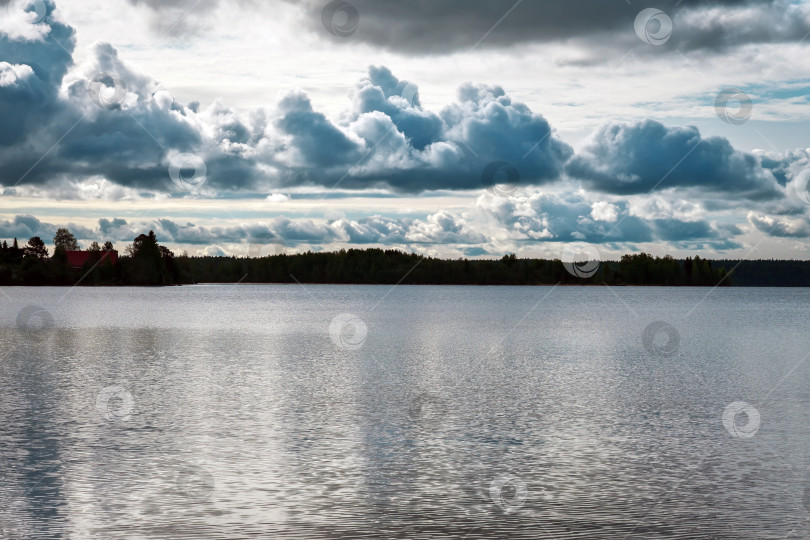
x,y
150,264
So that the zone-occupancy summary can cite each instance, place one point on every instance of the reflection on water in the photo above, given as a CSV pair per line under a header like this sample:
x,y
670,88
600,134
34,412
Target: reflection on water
x,y
233,412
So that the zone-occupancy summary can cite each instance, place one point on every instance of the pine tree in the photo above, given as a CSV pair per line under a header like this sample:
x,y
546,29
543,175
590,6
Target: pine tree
x,y
36,248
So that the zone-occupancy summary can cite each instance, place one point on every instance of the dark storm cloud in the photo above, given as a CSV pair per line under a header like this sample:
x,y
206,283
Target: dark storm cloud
x,y
387,140
315,140
677,230
58,130
106,226
71,135
399,100
47,137
410,149
637,158
448,26
443,27
67,127
773,21
24,227
30,74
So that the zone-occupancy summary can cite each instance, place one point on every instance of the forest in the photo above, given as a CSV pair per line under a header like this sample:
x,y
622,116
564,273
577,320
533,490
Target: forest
x,y
146,262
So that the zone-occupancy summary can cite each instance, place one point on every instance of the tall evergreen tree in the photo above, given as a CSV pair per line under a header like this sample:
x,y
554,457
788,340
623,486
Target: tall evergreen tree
x,y
36,248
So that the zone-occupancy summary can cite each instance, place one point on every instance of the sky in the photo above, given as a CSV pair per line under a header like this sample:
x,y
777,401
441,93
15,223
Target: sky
x,y
452,128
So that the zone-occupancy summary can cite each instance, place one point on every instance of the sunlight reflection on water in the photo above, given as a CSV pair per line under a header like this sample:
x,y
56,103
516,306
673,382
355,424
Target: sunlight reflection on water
x,y
235,413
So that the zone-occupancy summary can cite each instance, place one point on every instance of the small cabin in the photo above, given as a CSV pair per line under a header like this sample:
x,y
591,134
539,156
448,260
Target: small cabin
x,y
77,259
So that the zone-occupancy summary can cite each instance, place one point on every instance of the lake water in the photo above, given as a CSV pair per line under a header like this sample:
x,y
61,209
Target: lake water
x,y
410,412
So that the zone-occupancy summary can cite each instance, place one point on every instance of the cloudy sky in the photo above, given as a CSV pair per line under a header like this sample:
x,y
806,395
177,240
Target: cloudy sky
x,y
448,127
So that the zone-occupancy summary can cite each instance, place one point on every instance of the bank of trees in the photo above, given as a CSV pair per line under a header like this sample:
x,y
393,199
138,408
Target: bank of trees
x,y
147,262
392,266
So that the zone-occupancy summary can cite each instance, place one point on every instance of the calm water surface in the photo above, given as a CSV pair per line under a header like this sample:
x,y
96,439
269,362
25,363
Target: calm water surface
x,y
421,412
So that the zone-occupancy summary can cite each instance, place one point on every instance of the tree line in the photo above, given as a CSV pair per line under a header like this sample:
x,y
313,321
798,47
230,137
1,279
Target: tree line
x,y
146,262
377,266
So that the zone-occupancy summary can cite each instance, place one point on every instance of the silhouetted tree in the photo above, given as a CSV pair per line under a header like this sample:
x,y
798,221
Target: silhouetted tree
x,y
65,241
152,264
36,248
509,260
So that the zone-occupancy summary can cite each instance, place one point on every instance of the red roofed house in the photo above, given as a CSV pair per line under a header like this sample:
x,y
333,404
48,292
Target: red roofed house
x,y
77,259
